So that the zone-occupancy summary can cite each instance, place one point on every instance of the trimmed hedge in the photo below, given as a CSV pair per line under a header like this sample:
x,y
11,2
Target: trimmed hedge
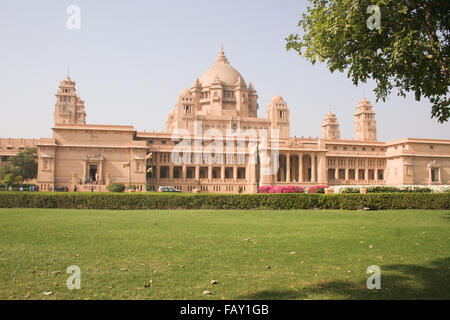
x,y
225,201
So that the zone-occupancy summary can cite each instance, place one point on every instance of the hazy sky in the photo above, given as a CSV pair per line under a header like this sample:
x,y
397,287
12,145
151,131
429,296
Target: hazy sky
x,y
130,59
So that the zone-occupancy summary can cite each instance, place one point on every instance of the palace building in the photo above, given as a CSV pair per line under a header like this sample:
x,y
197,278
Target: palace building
x,y
215,142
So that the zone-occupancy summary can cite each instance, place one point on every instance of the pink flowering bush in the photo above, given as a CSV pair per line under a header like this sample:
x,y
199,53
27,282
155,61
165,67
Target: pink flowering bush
x,y
280,189
317,189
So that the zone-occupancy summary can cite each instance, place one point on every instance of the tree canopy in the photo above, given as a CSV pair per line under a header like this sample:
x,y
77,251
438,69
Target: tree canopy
x,y
408,49
22,166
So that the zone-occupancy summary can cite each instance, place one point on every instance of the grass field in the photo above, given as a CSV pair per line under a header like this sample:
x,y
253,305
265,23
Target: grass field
x,y
252,254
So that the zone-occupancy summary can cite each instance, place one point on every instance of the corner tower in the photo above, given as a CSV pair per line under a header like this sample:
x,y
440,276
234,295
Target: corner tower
x,y
278,114
365,123
69,108
330,127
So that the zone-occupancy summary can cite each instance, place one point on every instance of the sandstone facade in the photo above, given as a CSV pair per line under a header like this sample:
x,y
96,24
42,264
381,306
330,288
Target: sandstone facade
x,y
215,142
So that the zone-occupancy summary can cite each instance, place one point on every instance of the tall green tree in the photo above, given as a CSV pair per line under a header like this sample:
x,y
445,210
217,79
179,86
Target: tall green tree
x,y
23,165
402,44
11,179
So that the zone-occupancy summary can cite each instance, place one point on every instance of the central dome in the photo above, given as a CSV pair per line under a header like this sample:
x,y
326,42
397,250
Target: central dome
x,y
221,68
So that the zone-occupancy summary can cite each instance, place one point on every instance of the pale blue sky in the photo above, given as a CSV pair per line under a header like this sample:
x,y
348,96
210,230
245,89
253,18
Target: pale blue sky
x,y
131,59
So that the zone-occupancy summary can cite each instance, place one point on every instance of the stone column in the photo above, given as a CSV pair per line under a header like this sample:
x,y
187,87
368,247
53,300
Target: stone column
x,y
366,175
288,167
170,172
197,172
100,173
275,174
336,173
222,173
322,169
375,173
235,173
183,177
347,175
313,168
300,167
210,173
84,170
356,174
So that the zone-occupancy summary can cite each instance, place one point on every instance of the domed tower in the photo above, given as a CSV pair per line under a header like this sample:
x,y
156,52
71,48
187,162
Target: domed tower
x,y
365,123
223,91
69,108
330,127
278,114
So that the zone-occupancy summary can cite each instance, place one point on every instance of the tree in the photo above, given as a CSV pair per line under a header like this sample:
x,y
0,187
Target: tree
x,y
23,165
26,162
401,44
10,179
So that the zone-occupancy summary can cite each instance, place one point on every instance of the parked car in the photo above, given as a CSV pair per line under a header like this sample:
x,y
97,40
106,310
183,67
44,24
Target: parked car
x,y
168,189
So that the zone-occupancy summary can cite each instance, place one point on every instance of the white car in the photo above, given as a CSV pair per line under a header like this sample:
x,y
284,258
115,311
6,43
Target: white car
x,y
168,189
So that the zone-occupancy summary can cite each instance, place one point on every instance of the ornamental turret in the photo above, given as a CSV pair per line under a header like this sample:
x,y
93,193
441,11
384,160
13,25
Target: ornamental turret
x,y
330,127
278,114
365,123
69,108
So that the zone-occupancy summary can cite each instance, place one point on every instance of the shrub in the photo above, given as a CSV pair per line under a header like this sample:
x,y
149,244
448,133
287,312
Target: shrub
x,y
317,189
280,189
417,189
388,189
26,186
350,190
115,187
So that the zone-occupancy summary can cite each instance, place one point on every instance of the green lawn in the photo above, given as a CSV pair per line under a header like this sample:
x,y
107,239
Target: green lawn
x,y
249,253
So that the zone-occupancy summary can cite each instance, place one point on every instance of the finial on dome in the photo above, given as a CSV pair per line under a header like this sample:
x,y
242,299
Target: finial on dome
x,y
221,58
